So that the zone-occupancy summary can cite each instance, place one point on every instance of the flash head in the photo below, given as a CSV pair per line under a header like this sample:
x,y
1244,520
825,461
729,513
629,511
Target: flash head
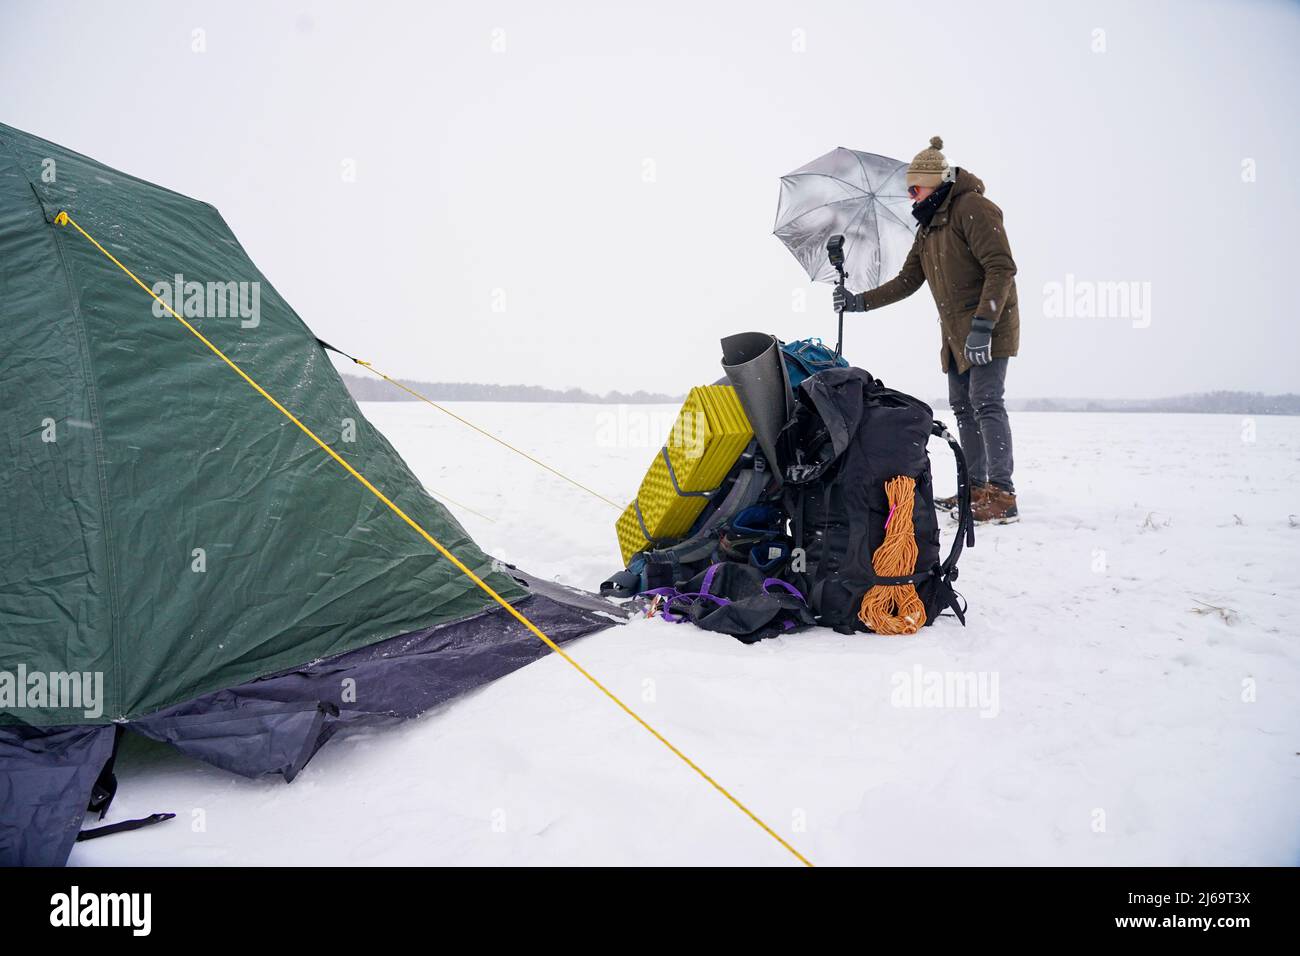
x,y
835,250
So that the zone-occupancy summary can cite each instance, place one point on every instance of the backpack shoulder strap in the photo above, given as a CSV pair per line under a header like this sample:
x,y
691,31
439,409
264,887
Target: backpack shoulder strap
x,y
965,520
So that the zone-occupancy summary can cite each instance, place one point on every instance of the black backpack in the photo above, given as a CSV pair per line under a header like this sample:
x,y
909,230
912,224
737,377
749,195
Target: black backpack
x,y
849,435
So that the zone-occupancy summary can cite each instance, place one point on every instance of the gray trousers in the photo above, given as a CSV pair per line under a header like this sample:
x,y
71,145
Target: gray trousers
x,y
982,422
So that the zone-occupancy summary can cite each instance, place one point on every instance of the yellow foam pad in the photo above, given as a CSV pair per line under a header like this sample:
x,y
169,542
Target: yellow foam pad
x,y
710,433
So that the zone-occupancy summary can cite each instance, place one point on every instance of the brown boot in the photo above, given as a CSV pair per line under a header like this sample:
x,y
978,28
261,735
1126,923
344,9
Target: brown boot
x,y
950,503
995,505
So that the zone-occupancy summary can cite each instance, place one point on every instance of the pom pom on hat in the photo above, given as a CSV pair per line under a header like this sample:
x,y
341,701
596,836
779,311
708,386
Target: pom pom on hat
x,y
929,167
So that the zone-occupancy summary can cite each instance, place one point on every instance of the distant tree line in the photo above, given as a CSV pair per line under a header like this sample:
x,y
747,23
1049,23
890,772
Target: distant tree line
x,y
1210,403
1205,403
377,390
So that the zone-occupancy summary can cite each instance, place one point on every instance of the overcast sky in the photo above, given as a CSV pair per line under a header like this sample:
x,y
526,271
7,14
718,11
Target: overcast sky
x,y
583,194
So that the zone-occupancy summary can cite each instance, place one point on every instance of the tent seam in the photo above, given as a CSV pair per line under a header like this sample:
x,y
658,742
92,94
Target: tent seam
x,y
92,399
92,394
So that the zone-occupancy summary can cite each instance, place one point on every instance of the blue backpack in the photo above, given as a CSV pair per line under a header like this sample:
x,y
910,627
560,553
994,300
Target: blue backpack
x,y
807,357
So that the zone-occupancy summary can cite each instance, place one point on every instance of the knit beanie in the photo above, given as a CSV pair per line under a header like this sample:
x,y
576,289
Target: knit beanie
x,y
929,168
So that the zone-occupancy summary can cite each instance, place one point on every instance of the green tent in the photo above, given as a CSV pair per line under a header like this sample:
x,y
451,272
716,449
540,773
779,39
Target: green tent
x,y
165,527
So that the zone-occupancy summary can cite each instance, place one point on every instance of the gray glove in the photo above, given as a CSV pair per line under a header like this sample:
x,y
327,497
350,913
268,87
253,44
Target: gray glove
x,y
979,344
845,301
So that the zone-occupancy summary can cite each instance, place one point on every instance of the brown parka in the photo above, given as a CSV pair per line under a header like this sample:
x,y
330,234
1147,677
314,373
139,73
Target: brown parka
x,y
965,257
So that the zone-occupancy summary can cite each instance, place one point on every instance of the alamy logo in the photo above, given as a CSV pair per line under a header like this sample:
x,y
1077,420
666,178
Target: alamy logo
x,y
640,427
1086,299
71,690
213,300
975,690
75,908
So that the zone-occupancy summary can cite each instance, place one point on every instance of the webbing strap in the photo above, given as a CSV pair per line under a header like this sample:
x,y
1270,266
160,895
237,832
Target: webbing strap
x,y
672,476
105,786
64,219
122,826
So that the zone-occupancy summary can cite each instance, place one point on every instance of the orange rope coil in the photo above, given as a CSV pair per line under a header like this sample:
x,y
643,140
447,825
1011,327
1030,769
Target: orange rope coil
x,y
895,608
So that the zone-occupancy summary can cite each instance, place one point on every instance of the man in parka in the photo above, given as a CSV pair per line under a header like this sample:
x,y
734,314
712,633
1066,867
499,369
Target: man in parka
x,y
961,250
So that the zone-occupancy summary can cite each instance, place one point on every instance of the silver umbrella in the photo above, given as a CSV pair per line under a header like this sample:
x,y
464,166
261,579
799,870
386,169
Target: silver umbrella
x,y
862,197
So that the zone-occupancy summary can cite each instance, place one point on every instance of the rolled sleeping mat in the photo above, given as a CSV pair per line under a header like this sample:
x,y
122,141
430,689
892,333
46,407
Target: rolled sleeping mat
x,y
710,434
753,363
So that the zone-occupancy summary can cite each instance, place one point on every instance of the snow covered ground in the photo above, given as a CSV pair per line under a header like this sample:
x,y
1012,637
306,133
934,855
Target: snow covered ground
x,y
1135,639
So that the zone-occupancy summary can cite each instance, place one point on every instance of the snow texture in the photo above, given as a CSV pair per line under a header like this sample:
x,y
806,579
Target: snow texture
x,y
1138,626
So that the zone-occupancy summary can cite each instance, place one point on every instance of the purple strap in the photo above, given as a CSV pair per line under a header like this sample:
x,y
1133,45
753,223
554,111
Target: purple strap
x,y
672,594
709,575
668,594
786,585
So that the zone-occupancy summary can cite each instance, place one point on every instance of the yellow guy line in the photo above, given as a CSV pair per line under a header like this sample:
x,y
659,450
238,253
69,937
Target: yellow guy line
x,y
453,501
64,219
464,421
